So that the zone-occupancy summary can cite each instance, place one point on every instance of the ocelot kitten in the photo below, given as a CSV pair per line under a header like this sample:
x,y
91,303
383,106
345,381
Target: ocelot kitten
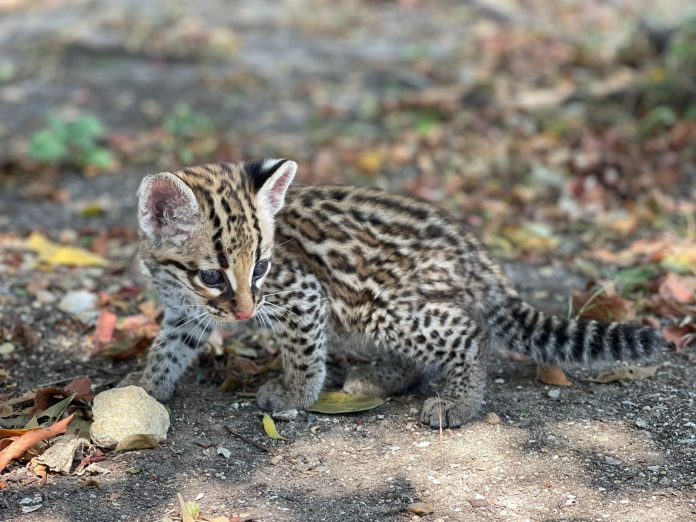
x,y
336,261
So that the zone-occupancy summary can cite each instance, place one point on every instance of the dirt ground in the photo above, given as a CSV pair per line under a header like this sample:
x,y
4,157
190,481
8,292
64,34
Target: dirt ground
x,y
591,452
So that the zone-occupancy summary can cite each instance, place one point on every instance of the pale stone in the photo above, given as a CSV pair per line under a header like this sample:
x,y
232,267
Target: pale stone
x,y
122,412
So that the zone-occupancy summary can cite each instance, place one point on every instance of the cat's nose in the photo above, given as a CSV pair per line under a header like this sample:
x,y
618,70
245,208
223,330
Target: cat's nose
x,y
244,314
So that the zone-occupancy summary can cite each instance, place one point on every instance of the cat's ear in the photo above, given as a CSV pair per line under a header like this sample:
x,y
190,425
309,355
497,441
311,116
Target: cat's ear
x,y
167,208
271,179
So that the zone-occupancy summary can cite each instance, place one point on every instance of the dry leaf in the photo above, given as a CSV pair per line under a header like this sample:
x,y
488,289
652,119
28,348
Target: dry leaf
x,y
341,402
270,428
20,446
53,254
59,457
625,374
680,336
104,330
81,387
603,307
420,508
136,442
677,288
552,375
183,508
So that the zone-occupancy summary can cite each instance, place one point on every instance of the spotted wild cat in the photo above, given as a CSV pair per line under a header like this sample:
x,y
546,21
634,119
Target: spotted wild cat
x,y
336,261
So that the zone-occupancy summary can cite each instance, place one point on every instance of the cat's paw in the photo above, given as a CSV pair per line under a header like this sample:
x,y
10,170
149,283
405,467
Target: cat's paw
x,y
274,396
446,413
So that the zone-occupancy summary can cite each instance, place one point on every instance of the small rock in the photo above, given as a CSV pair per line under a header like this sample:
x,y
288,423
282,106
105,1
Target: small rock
x,y
95,469
276,460
492,418
285,415
641,423
6,348
224,452
45,297
664,481
78,302
122,412
654,468
30,509
420,508
555,393
612,461
478,502
423,444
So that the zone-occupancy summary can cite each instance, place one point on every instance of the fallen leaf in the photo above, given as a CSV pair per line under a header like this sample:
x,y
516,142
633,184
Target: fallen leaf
x,y
678,288
149,309
270,428
626,373
552,375
184,510
20,446
136,442
333,402
5,433
81,387
53,254
52,412
532,237
680,336
59,457
602,307
420,508
244,366
40,471
104,330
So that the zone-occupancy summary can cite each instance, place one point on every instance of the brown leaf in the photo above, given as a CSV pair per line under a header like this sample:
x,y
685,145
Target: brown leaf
x,y
678,288
680,336
149,309
5,433
420,508
552,375
244,366
20,446
82,387
136,442
603,307
185,513
625,374
104,331
125,349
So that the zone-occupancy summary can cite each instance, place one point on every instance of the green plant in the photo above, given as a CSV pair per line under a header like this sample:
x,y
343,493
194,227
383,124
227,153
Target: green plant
x,y
73,142
186,125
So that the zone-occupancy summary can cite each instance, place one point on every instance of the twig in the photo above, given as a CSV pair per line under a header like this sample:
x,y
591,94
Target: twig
x,y
248,440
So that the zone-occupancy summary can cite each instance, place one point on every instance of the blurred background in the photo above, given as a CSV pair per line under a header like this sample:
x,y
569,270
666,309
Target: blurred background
x,y
562,132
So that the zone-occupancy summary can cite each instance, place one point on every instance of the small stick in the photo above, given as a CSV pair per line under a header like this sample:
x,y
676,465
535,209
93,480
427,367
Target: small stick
x,y
248,440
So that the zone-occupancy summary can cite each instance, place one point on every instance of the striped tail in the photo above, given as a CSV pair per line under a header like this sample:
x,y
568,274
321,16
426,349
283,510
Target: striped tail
x,y
550,339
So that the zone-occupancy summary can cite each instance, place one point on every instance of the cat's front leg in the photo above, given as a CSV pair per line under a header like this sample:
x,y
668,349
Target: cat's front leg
x,y
303,341
183,333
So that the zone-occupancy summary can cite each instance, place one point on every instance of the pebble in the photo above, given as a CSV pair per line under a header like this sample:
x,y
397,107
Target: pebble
x,y
423,444
224,452
6,348
78,302
492,418
641,423
286,415
122,412
555,393
612,461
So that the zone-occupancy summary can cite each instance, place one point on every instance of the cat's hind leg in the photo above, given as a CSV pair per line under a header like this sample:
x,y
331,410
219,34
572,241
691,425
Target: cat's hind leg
x,y
383,379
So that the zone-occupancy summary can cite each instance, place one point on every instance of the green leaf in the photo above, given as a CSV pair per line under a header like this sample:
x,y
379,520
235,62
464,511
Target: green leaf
x,y
83,131
98,157
52,413
47,145
341,402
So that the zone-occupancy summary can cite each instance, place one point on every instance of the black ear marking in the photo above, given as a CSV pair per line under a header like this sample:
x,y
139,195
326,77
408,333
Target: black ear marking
x,y
259,171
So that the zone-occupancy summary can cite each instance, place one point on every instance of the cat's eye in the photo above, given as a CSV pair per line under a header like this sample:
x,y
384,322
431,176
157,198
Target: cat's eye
x,y
260,269
211,277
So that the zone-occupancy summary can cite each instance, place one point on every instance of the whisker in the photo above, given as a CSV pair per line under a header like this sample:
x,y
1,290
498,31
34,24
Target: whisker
x,y
187,322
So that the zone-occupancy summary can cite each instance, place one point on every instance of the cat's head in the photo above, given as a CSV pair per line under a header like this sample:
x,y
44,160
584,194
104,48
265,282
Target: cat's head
x,y
207,232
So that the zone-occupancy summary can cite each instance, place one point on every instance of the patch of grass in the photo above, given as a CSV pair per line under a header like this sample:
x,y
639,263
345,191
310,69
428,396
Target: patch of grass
x,y
185,125
71,143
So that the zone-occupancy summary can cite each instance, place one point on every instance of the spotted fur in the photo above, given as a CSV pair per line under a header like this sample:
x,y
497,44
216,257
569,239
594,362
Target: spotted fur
x,y
344,261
